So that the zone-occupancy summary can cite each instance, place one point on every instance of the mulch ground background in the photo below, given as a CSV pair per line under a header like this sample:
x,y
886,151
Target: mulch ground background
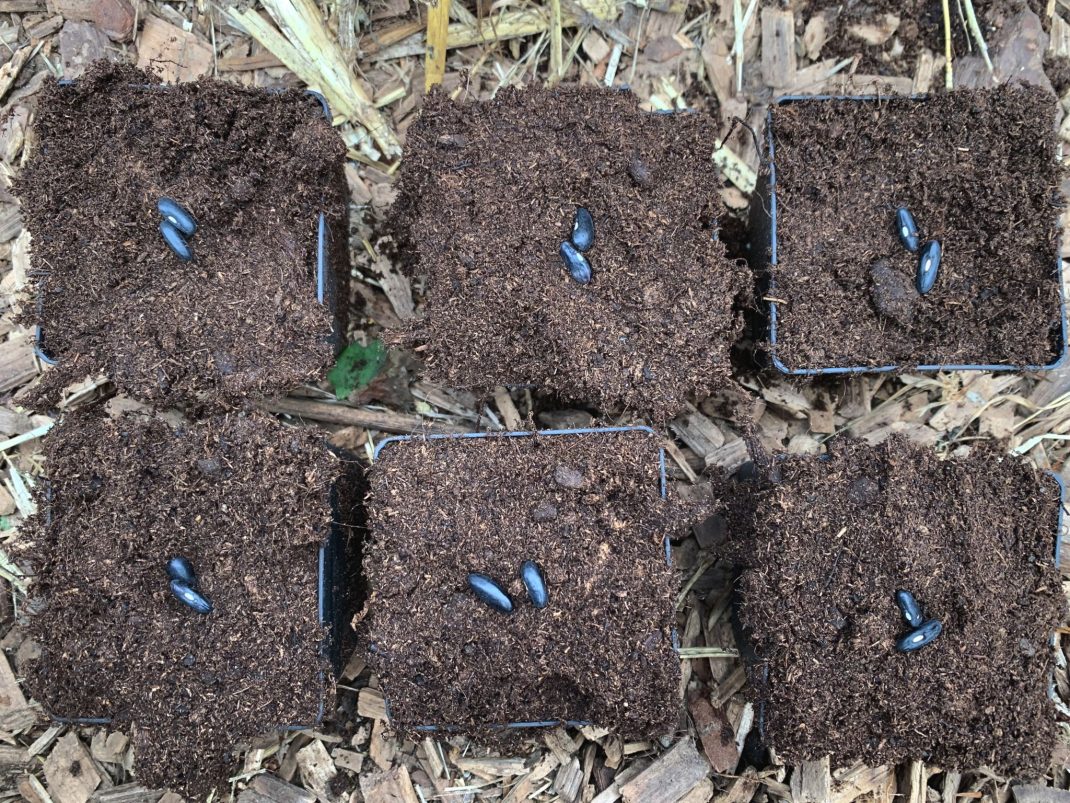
x,y
973,540
254,168
671,55
857,28
978,172
488,193
588,510
115,642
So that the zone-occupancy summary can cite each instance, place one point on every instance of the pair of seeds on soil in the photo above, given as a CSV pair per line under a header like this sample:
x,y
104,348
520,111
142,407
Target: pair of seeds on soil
x,y
922,632
176,226
582,239
492,594
184,585
929,255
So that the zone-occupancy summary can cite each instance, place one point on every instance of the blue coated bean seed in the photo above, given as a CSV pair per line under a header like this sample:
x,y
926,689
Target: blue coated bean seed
x,y
911,609
918,638
182,570
490,592
187,596
179,217
534,583
928,266
578,266
175,241
583,229
907,229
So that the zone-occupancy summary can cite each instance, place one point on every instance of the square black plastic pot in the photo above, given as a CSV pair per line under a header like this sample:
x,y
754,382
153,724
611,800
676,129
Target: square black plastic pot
x,y
765,236
663,489
339,589
752,662
327,252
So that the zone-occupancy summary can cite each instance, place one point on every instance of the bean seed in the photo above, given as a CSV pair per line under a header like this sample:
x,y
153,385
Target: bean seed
x,y
907,229
490,592
178,217
918,638
175,241
187,596
534,583
182,570
583,229
928,266
910,608
578,266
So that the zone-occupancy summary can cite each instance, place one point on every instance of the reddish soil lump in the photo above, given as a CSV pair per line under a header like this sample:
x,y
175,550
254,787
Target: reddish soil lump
x,y
247,501
255,168
588,511
977,170
488,193
973,540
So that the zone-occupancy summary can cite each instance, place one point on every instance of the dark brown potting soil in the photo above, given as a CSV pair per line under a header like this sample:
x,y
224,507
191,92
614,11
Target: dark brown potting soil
x,y
246,500
977,170
588,511
488,193
973,540
254,167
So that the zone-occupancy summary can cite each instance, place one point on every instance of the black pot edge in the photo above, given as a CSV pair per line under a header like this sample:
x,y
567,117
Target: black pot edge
x,y
765,228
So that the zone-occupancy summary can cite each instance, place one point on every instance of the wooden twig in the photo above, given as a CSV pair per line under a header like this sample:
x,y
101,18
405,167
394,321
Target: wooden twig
x,y
393,43
733,168
700,570
556,48
508,410
707,652
33,434
949,78
740,21
978,36
344,415
438,25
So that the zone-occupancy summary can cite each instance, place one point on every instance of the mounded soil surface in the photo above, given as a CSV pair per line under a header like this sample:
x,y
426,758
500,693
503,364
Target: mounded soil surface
x,y
972,539
254,168
488,193
588,511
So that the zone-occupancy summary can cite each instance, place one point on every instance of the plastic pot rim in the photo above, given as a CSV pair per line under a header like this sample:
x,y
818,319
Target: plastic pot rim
x,y
579,431
321,242
1059,525
779,364
324,613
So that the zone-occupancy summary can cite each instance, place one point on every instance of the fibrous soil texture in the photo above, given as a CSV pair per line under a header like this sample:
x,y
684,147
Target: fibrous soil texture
x,y
247,502
255,169
488,193
588,510
978,172
972,539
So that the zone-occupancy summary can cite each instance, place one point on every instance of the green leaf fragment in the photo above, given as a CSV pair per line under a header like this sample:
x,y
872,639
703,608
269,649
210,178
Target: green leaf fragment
x,y
356,367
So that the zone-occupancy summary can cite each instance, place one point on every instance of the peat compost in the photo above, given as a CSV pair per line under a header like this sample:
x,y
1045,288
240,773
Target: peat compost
x,y
588,511
254,168
977,170
488,194
247,502
972,539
